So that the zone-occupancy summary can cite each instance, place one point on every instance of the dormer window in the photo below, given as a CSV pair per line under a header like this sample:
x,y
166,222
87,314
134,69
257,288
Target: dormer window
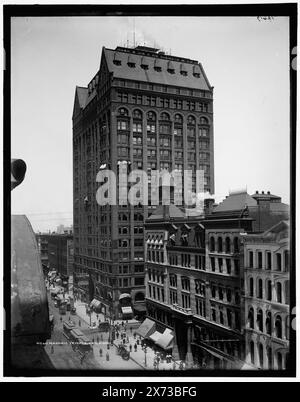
x,y
171,68
196,71
157,65
144,63
131,61
117,59
183,70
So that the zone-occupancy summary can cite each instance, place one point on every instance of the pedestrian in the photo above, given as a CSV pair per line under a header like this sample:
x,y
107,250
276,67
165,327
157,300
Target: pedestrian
x,y
108,346
181,365
79,323
117,335
60,318
69,317
107,356
101,337
52,349
138,341
97,316
135,347
130,348
100,352
124,340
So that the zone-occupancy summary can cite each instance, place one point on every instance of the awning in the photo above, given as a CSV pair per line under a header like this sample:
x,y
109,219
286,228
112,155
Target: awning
x,y
165,340
124,296
146,328
139,307
127,310
155,336
95,303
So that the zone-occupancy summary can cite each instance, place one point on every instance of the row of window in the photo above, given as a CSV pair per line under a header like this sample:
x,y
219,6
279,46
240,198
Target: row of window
x,y
164,116
270,261
164,102
222,245
267,324
269,360
162,88
280,294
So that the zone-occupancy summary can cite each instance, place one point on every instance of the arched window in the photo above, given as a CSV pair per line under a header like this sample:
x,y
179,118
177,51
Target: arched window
x,y
122,112
278,327
220,244
227,245
260,289
251,287
251,318
203,120
137,114
269,290
269,323
178,118
165,116
151,116
191,120
236,245
252,352
212,244
261,355
279,292
259,320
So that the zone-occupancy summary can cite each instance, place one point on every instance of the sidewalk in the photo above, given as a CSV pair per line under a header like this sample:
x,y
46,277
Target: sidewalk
x,y
137,358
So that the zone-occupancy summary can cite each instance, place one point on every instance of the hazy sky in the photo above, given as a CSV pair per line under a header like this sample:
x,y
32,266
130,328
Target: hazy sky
x,y
247,62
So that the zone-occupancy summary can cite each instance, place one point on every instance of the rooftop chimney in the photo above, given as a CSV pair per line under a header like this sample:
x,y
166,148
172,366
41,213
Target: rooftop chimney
x,y
263,192
269,192
256,192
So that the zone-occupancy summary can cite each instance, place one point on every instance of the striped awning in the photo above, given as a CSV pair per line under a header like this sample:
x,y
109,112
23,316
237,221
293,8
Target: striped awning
x,y
127,310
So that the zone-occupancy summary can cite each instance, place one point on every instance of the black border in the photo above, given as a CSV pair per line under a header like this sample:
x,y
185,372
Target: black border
x,y
9,11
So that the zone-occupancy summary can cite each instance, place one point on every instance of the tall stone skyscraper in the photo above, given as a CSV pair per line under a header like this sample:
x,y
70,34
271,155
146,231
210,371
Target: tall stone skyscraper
x,y
143,110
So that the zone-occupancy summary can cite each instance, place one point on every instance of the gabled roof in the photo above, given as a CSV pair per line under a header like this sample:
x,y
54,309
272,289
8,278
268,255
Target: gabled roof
x,y
235,202
151,75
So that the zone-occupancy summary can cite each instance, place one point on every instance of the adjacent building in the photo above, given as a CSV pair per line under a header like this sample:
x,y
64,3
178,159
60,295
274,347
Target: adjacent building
x,y
143,110
267,299
57,252
197,281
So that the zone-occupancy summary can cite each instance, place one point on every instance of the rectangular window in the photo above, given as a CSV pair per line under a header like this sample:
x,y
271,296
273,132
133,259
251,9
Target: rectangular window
x,y
259,259
251,259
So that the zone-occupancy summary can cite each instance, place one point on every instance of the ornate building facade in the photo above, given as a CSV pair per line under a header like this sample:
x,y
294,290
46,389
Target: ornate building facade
x,y
267,297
